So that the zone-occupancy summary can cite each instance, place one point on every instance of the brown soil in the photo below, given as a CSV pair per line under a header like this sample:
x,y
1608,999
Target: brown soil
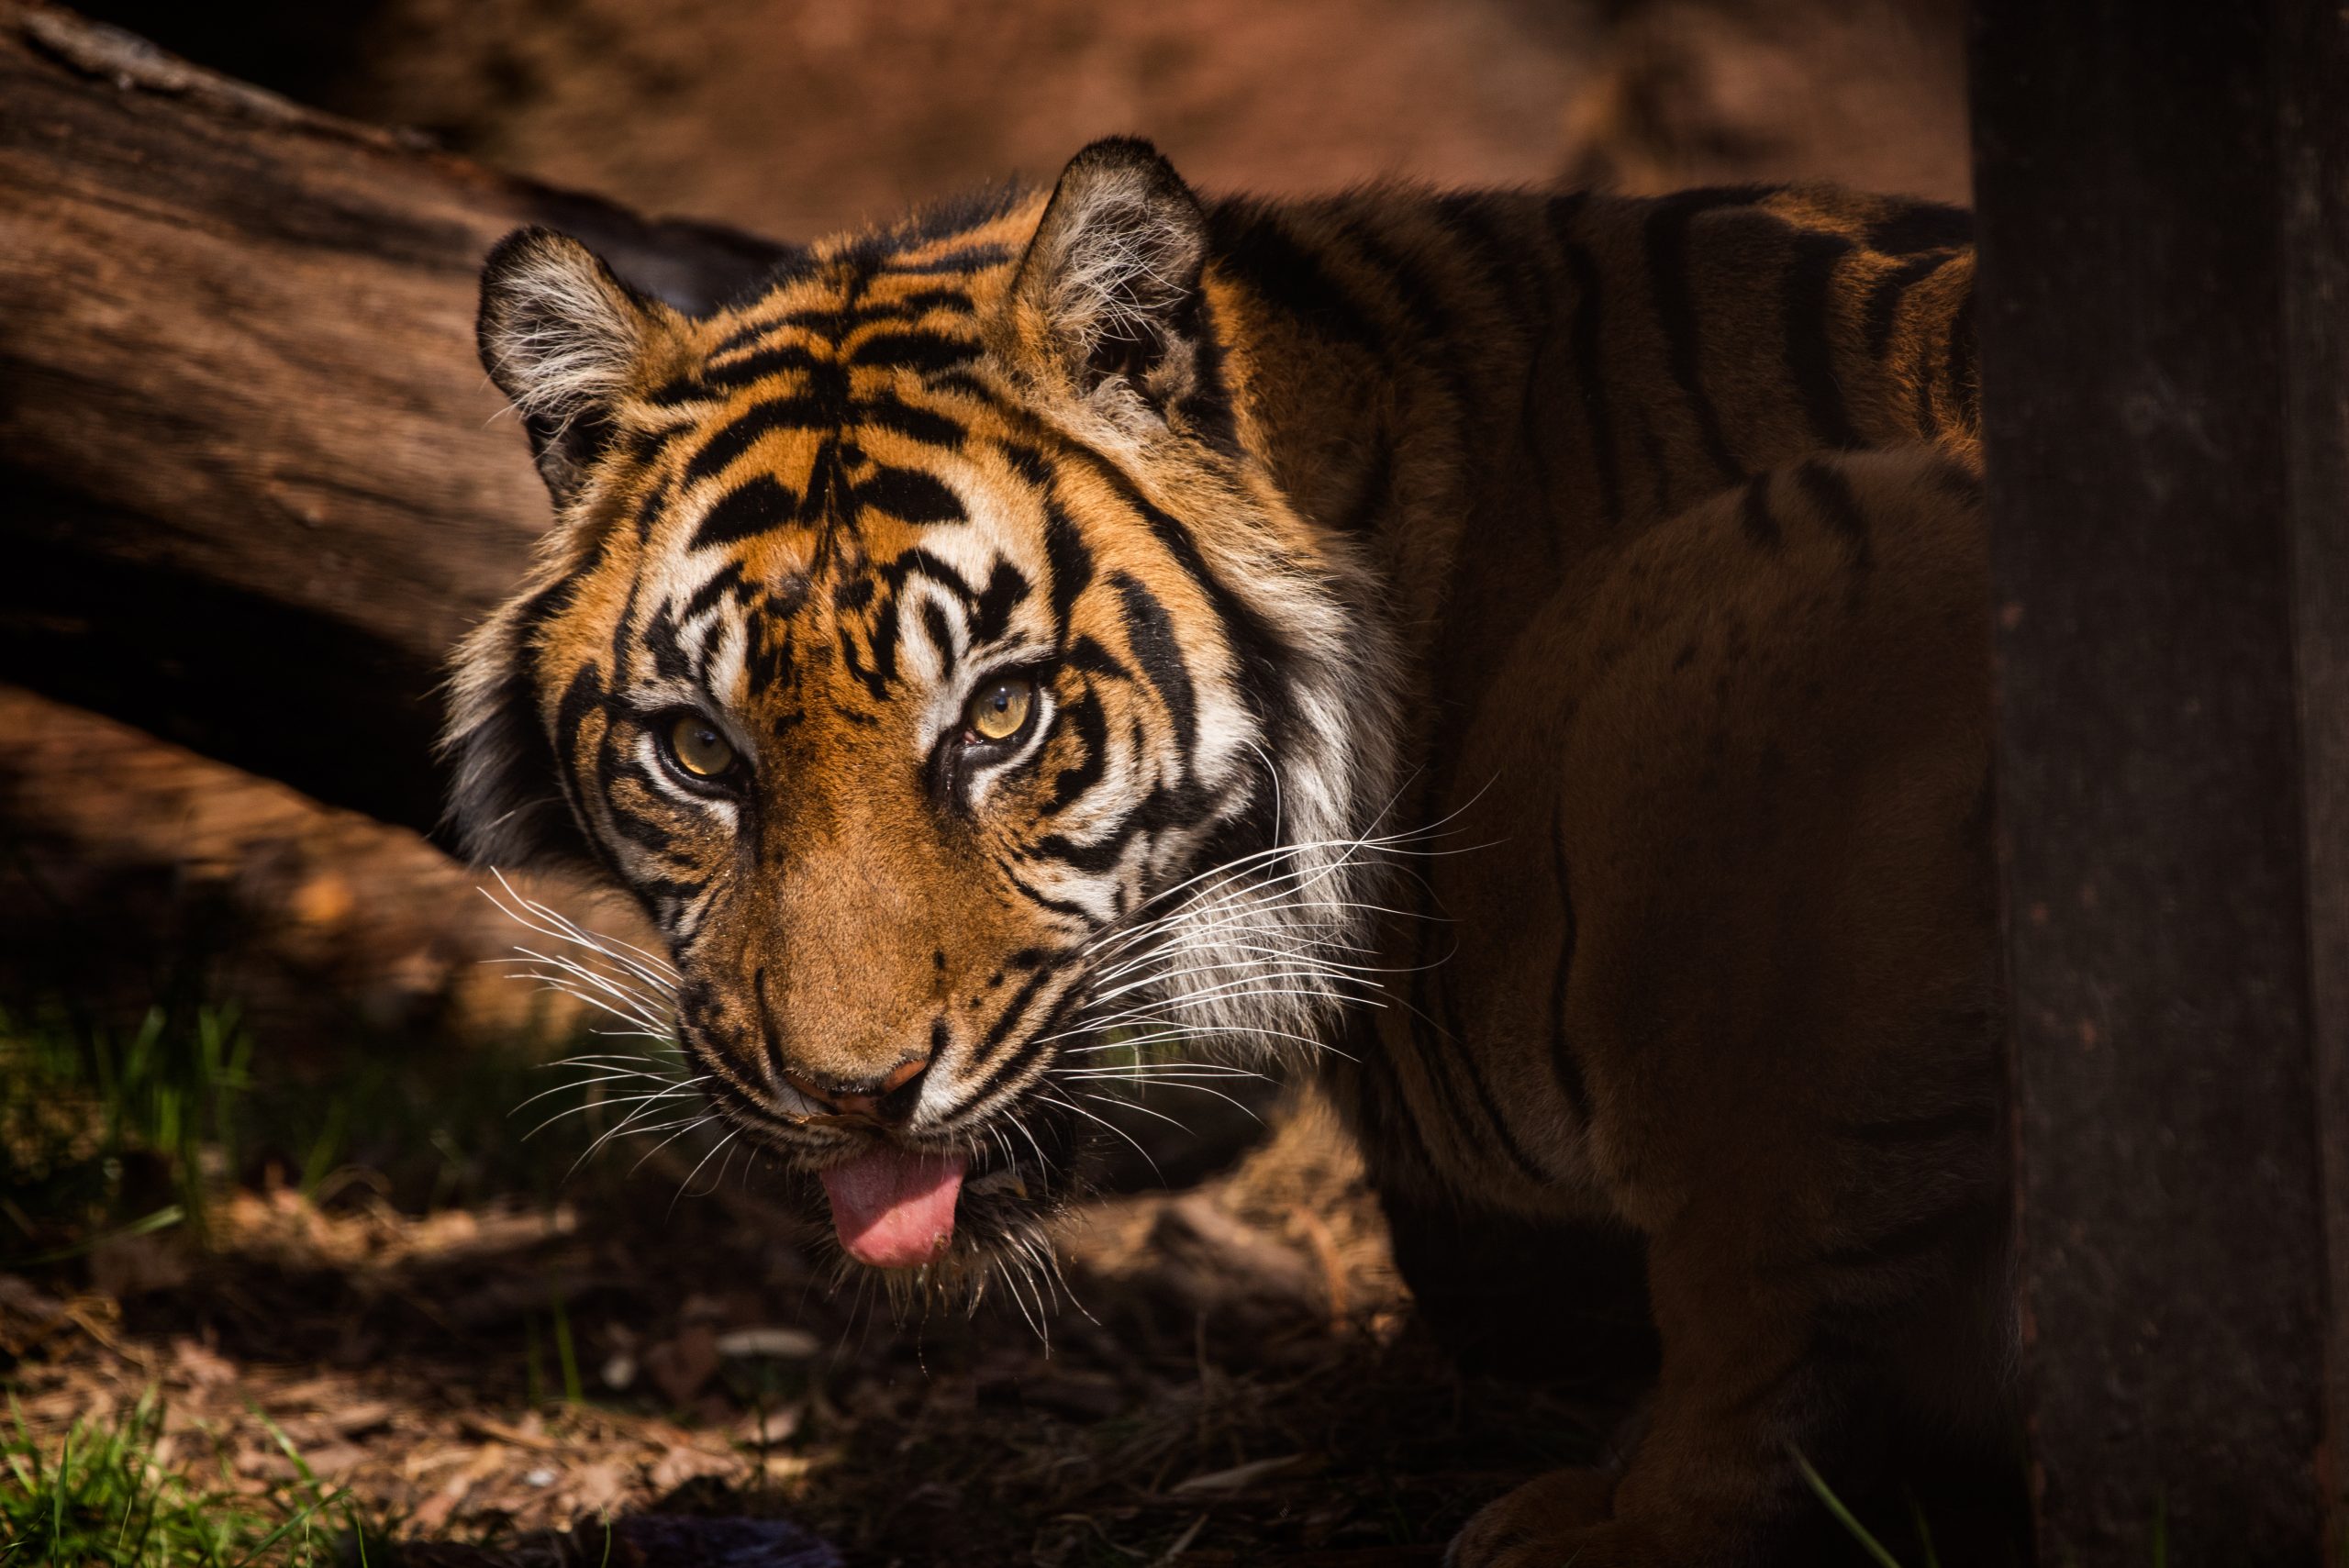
x,y
1231,1377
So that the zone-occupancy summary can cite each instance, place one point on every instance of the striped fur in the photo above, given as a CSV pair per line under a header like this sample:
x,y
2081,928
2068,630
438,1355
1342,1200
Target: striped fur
x,y
1632,540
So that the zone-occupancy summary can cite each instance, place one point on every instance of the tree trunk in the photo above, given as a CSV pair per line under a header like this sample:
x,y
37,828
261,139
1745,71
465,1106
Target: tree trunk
x,y
253,481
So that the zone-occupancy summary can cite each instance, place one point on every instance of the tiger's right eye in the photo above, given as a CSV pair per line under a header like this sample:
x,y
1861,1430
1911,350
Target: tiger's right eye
x,y
700,749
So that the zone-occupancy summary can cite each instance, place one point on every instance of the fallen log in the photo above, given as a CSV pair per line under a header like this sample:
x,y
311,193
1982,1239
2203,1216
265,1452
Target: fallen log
x,y
253,481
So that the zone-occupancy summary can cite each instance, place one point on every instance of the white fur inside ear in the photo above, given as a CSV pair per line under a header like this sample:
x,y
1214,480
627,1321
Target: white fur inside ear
x,y
1118,254
560,335
1128,262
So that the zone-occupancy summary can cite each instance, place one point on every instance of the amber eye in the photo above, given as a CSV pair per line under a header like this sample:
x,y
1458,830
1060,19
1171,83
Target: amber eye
x,y
700,749
1000,709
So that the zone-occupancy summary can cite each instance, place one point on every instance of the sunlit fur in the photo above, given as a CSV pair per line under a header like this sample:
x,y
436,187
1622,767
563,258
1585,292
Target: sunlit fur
x,y
1632,544
823,518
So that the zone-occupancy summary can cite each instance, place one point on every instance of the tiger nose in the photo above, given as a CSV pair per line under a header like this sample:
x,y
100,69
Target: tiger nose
x,y
889,1098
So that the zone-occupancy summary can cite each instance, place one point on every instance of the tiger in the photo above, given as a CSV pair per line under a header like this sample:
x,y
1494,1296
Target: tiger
x,y
1524,653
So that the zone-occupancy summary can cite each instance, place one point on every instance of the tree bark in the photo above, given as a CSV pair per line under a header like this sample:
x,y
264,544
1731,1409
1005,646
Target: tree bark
x,y
253,484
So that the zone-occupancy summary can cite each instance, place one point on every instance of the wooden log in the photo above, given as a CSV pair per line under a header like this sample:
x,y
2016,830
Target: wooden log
x,y
133,872
253,481
2164,233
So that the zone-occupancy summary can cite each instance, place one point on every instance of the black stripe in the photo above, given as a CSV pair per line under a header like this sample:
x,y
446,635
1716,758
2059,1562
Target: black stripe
x,y
1261,651
1361,516
1252,243
736,437
1008,1019
1960,365
1890,290
1091,732
970,259
941,635
741,338
1831,492
1155,810
1438,337
908,494
1456,1037
1810,337
1756,518
1961,1121
1068,558
751,508
752,368
1021,1057
925,565
1921,226
1057,905
1150,633
891,412
1590,375
991,612
1207,407
883,640
1915,1241
1566,1066
725,583
925,351
1667,235
1473,218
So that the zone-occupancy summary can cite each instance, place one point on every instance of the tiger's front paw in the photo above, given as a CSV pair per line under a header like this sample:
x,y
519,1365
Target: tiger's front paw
x,y
1551,1521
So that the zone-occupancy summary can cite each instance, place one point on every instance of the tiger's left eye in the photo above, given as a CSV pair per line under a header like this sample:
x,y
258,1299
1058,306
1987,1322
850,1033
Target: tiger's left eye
x,y
999,709
700,749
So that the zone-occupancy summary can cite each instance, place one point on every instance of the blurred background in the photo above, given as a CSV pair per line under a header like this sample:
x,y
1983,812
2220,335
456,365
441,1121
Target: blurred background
x,y
258,1056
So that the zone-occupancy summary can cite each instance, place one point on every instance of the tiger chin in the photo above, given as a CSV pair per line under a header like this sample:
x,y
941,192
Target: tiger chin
x,y
1524,653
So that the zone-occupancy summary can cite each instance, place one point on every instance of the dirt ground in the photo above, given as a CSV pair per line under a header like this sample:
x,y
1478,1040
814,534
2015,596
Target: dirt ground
x,y
1230,1375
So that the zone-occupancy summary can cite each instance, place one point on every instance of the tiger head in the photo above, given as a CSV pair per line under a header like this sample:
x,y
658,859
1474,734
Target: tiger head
x,y
928,645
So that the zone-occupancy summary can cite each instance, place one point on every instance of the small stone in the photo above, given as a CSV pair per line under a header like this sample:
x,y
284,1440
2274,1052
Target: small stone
x,y
782,1344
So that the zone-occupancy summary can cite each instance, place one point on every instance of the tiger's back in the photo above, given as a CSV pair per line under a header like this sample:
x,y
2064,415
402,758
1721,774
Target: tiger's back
x,y
1081,604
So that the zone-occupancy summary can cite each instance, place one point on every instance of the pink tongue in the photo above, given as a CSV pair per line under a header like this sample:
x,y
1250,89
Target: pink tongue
x,y
892,1210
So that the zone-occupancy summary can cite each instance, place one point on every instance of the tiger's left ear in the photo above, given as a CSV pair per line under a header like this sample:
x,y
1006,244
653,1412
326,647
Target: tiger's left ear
x,y
1109,289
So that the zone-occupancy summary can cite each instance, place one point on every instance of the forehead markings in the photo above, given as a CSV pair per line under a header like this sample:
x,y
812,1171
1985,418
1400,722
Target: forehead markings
x,y
814,356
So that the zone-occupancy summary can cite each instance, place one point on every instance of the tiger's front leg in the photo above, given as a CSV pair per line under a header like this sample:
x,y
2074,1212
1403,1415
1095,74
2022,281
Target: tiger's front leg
x,y
1758,1370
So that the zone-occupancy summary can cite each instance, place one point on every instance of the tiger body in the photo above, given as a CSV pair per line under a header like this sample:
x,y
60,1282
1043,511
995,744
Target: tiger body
x,y
1082,603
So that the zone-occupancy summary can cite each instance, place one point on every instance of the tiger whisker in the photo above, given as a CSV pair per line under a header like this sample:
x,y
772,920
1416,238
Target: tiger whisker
x,y
666,1092
1183,1127
705,1159
663,1092
530,912
601,1075
702,1121
1113,1126
1176,1083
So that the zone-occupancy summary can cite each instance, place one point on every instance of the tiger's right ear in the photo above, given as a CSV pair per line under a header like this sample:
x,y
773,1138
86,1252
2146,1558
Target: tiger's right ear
x,y
565,339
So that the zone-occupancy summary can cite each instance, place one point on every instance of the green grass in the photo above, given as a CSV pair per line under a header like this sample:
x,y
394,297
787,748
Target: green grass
x,y
98,1497
107,1131
104,1129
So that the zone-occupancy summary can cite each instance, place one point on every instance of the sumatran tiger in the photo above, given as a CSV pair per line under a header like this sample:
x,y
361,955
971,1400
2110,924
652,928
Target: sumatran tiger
x,y
1061,613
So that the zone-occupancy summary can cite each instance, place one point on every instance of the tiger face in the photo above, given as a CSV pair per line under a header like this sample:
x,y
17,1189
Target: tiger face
x,y
926,644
